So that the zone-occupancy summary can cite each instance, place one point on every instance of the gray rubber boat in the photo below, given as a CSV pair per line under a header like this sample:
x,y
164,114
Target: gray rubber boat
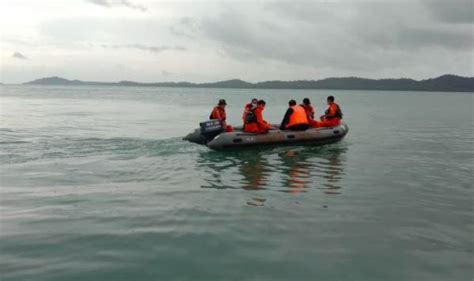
x,y
238,138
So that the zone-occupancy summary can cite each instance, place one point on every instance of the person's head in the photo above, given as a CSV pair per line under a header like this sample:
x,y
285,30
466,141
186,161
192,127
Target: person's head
x,y
222,103
330,99
261,103
306,101
292,103
254,103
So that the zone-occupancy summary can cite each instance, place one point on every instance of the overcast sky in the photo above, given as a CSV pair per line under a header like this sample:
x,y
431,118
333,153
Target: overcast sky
x,y
146,41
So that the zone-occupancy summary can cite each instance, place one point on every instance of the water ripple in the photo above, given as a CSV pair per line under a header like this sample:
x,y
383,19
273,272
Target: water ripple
x,y
293,169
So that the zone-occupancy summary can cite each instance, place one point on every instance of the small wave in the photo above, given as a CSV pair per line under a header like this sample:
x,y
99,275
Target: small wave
x,y
120,148
13,142
8,130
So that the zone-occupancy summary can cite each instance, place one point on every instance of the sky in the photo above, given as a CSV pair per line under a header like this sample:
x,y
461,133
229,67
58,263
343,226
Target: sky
x,y
206,41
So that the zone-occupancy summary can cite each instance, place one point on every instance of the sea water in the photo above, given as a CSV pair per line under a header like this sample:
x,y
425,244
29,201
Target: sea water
x,y
97,184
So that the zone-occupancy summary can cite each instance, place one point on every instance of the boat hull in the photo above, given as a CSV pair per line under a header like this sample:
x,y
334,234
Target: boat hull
x,y
239,139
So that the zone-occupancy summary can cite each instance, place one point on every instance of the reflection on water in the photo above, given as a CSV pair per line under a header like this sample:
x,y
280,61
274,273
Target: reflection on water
x,y
254,171
312,167
297,169
333,173
285,169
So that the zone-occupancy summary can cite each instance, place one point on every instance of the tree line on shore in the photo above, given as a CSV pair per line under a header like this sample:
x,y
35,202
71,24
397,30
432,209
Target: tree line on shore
x,y
443,83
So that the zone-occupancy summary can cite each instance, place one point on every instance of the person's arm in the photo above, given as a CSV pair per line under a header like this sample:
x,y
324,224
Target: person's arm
x,y
214,114
286,119
246,111
217,115
258,116
327,113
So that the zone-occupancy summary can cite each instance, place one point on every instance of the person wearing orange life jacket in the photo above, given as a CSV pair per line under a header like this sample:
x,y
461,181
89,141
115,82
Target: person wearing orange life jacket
x,y
308,108
218,112
295,118
254,122
332,116
309,112
248,107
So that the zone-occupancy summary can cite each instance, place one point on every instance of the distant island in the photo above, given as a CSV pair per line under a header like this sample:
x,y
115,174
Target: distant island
x,y
451,83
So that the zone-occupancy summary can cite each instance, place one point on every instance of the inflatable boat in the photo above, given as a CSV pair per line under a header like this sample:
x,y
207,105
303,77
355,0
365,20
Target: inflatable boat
x,y
211,135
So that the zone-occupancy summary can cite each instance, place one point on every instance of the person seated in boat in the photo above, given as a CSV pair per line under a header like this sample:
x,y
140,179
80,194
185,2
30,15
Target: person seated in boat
x,y
254,122
248,108
308,108
295,118
309,112
218,112
332,116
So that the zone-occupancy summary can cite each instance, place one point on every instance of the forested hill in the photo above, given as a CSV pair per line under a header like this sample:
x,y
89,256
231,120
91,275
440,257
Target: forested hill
x,y
448,82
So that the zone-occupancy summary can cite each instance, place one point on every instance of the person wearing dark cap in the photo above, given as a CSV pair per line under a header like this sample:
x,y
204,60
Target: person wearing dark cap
x,y
255,123
218,112
295,118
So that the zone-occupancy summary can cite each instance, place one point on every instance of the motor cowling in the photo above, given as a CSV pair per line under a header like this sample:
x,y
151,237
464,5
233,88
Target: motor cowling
x,y
210,129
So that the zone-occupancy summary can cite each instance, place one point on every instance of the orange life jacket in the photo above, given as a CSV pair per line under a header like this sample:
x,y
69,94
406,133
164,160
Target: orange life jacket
x,y
256,119
309,110
218,113
334,110
298,117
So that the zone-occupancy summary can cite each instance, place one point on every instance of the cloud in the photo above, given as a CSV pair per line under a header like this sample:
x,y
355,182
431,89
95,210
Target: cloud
x,y
104,3
185,27
118,3
133,6
18,41
428,37
453,11
252,40
153,49
345,38
19,55
310,12
166,73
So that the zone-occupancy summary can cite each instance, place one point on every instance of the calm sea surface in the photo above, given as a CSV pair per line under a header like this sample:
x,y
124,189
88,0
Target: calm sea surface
x,y
96,184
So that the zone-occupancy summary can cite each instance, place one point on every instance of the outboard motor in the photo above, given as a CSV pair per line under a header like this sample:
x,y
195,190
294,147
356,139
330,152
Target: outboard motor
x,y
210,129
